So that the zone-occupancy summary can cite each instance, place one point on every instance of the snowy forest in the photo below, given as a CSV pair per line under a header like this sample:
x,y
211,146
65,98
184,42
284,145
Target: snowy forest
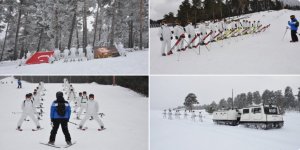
x,y
200,10
37,25
286,100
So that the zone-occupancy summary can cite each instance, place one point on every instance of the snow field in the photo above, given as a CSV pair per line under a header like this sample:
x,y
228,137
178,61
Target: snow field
x,y
261,53
126,119
186,134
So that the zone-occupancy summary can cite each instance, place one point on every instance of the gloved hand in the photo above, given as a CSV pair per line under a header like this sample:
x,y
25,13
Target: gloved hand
x,y
161,38
182,36
189,36
171,37
176,37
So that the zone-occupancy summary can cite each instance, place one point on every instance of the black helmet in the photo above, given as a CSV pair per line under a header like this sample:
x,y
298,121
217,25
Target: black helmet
x,y
91,96
27,96
292,16
59,94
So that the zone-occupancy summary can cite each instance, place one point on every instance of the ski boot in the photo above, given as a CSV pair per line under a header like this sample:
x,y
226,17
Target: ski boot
x,y
69,143
51,142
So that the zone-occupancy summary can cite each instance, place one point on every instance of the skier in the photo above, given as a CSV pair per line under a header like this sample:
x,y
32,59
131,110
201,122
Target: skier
x,y
28,110
165,114
60,114
170,114
77,102
80,53
92,111
89,52
71,96
165,37
57,54
213,29
185,114
36,99
190,30
179,34
73,53
51,59
294,24
120,48
193,116
19,84
83,103
200,117
66,55
28,55
203,32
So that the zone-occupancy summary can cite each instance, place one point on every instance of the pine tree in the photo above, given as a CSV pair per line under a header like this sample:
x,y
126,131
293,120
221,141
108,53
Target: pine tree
x,y
190,100
256,97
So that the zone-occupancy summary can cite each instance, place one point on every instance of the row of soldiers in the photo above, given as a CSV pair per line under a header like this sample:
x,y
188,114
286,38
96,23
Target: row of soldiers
x,y
177,115
211,29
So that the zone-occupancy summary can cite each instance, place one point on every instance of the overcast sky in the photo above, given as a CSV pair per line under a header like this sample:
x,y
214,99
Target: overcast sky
x,y
166,92
158,8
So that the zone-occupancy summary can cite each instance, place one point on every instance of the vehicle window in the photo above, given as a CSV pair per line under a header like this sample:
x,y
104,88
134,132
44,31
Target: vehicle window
x,y
245,111
256,110
271,110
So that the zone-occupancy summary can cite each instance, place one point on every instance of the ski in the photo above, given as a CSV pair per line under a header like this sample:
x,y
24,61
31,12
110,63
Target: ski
x,y
70,145
177,42
51,145
101,129
203,39
37,129
191,42
19,129
83,129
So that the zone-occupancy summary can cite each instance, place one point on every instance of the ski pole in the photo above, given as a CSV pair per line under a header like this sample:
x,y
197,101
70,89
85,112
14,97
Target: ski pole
x,y
73,123
284,33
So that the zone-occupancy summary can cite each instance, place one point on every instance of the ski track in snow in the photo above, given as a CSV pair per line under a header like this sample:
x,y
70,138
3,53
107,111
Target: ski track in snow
x,y
262,53
126,119
185,134
135,63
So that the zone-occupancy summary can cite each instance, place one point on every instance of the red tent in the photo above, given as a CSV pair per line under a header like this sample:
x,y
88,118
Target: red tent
x,y
39,57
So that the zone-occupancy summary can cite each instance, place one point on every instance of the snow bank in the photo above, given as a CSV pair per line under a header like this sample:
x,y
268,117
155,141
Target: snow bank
x,y
134,63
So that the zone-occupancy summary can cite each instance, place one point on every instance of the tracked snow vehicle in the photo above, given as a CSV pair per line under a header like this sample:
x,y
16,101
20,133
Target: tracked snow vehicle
x,y
260,116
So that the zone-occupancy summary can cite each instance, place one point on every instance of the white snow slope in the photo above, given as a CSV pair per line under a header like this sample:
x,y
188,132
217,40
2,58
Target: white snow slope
x,y
135,63
185,134
126,119
263,53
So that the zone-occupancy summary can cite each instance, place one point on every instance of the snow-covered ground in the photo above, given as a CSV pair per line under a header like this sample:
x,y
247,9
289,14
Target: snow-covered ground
x,y
263,53
126,119
136,63
185,134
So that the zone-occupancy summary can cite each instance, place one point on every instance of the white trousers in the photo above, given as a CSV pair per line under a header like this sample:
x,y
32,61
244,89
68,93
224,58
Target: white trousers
x,y
88,116
31,115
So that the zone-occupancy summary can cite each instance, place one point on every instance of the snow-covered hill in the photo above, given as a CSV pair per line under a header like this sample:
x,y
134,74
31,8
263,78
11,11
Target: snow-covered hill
x,y
185,134
263,53
126,119
135,63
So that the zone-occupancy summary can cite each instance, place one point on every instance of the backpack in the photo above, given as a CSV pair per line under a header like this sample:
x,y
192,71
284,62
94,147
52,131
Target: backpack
x,y
61,109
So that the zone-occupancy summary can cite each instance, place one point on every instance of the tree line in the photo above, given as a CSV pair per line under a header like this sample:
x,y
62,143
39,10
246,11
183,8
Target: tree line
x,y
284,100
33,25
202,10
136,83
